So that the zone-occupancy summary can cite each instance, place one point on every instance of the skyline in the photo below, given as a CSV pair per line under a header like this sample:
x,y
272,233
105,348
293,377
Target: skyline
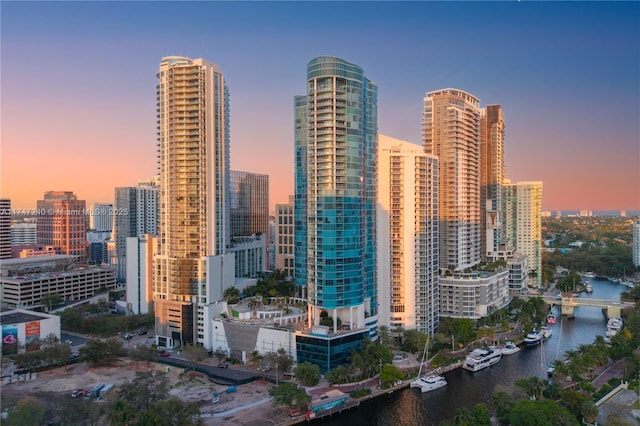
x,y
79,86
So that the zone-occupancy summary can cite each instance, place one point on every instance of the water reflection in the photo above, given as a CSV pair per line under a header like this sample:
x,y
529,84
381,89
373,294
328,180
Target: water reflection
x,y
410,407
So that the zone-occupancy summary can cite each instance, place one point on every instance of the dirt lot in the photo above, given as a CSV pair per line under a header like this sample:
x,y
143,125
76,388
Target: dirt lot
x,y
236,408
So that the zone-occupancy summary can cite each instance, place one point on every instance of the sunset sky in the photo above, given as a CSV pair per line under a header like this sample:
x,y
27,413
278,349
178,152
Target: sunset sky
x,y
78,85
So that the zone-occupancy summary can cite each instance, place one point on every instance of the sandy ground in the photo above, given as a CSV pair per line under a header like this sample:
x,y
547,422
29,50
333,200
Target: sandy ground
x,y
248,405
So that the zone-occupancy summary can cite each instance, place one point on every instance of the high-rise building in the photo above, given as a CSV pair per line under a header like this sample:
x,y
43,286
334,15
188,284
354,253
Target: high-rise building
x,y
451,131
191,269
284,238
101,217
24,233
249,198
408,258
5,228
523,224
492,175
636,244
336,193
135,214
61,223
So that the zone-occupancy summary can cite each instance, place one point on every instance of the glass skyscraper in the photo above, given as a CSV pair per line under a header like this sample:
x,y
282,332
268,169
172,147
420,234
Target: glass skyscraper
x,y
335,253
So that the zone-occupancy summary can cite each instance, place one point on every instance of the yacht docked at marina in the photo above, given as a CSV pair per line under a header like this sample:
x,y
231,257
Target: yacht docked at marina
x,y
482,358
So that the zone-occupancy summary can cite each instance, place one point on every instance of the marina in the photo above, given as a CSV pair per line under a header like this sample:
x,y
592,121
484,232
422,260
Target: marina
x,y
406,406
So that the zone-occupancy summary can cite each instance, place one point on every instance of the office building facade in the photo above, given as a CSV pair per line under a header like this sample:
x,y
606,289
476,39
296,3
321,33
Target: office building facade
x,y
61,223
336,131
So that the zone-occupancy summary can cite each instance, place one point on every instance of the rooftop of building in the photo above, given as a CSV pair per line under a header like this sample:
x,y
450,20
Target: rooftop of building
x,y
19,316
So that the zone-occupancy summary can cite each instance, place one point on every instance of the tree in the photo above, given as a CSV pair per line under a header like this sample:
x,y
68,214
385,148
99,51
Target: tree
x,y
78,412
532,386
194,353
173,411
145,389
414,341
289,395
50,339
27,412
284,360
589,411
308,374
390,373
101,352
528,412
501,403
50,299
220,355
339,375
231,295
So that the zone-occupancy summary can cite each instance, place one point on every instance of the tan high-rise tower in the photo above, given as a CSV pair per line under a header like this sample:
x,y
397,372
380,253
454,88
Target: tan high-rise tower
x,y
492,175
193,147
451,131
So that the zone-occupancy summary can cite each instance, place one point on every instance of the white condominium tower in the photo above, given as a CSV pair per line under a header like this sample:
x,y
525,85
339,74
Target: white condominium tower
x,y
636,244
523,229
408,262
193,147
451,131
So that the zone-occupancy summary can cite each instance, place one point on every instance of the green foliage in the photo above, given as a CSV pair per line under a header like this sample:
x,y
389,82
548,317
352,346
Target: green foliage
x,y
56,354
367,360
101,352
289,395
145,389
92,319
477,416
359,393
414,341
339,375
273,284
231,295
195,353
26,412
220,355
589,411
544,412
572,400
50,300
533,386
390,373
308,374
501,404
79,412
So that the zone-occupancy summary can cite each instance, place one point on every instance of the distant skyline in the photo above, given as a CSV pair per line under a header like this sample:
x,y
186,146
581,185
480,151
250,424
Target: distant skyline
x,y
79,82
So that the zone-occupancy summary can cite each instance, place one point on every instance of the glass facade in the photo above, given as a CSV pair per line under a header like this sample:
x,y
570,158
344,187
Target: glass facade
x,y
327,353
335,206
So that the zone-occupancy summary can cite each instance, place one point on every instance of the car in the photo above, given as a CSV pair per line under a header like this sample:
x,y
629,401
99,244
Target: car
x,y
223,365
142,332
165,353
128,336
78,393
69,342
73,356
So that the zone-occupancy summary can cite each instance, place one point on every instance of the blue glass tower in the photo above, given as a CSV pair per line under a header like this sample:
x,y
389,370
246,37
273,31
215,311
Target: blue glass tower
x,y
335,252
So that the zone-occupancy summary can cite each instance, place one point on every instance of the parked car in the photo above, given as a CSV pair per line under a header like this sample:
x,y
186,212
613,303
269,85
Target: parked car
x,y
165,353
127,336
78,393
223,365
69,342
142,332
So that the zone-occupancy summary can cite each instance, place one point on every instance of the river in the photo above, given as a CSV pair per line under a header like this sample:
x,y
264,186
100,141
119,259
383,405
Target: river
x,y
464,389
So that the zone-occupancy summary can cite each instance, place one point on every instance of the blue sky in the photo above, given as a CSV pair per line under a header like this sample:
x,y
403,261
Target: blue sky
x,y
78,85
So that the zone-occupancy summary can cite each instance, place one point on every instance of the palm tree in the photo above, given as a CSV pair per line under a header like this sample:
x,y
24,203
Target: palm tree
x,y
532,386
589,411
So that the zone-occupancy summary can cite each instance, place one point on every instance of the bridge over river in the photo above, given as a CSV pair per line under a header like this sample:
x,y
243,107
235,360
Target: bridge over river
x,y
568,302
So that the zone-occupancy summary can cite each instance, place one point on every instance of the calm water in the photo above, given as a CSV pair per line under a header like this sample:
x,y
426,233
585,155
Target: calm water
x,y
464,389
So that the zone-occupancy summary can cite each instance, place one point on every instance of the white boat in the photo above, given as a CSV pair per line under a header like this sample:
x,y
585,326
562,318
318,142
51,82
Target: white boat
x,y
589,288
533,338
546,332
427,382
482,358
613,326
551,318
510,348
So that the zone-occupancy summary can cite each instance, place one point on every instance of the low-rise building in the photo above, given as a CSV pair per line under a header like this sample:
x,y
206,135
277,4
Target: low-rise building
x,y
23,282
474,295
23,330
